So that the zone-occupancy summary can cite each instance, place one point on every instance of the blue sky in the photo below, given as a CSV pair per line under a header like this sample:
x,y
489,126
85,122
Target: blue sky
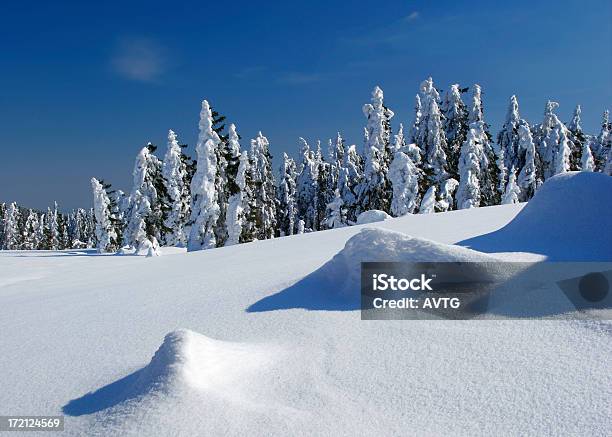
x,y
85,85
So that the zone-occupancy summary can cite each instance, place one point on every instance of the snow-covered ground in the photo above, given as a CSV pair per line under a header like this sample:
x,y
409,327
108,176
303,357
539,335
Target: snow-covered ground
x,y
227,342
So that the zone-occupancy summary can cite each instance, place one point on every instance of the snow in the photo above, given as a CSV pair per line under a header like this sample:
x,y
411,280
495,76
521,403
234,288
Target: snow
x,y
372,216
567,220
246,345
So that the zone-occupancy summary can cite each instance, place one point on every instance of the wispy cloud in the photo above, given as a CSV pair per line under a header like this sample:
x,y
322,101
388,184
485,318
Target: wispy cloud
x,y
139,59
412,16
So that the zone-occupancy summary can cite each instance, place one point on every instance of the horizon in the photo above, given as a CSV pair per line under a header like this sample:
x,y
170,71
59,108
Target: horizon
x,y
119,85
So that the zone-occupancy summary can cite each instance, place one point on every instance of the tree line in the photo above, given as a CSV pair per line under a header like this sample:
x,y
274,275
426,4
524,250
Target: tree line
x,y
446,159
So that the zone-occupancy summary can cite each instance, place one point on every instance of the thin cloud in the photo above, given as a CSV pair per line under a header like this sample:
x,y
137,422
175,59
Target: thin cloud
x,y
412,16
139,59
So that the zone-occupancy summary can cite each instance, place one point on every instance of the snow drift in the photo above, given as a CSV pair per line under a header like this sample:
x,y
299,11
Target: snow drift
x,y
372,216
336,285
567,220
185,361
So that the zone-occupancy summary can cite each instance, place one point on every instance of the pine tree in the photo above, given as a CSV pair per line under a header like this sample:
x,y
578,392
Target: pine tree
x,y
336,214
447,200
512,193
307,187
554,145
236,171
492,163
428,204
148,203
405,179
603,142
11,228
607,169
375,190
52,229
530,175
265,188
204,207
105,233
174,172
470,160
508,137
455,126
587,162
413,135
287,202
349,177
326,184
431,138
30,234
578,140
41,233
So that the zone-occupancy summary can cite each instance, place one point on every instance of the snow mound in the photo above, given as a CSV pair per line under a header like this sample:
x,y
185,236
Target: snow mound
x,y
343,271
372,216
571,210
186,362
189,359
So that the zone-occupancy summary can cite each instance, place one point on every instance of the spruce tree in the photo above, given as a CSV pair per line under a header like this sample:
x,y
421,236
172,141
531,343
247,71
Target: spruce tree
x,y
512,193
30,234
530,175
405,180
455,125
431,139
204,207
237,203
508,137
578,140
375,191
11,228
603,143
307,187
265,188
287,202
176,181
107,240
335,214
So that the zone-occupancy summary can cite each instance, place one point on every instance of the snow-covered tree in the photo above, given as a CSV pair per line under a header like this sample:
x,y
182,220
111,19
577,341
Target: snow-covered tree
x,y
30,235
447,200
11,228
455,125
336,214
508,137
431,137
428,204
413,135
174,172
587,162
349,177
204,207
603,143
578,139
607,169
52,235
265,188
554,145
470,161
287,202
512,193
236,186
148,202
105,233
40,232
405,179
530,177
375,190
307,186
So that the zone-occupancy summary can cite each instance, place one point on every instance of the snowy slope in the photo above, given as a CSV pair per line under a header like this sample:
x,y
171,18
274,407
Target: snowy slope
x,y
183,345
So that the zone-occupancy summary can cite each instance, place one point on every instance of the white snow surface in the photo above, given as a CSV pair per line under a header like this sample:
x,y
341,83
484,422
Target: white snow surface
x,y
372,216
246,346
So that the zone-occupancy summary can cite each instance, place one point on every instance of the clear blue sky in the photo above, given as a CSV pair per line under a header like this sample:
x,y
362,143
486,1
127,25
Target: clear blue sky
x,y
86,84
